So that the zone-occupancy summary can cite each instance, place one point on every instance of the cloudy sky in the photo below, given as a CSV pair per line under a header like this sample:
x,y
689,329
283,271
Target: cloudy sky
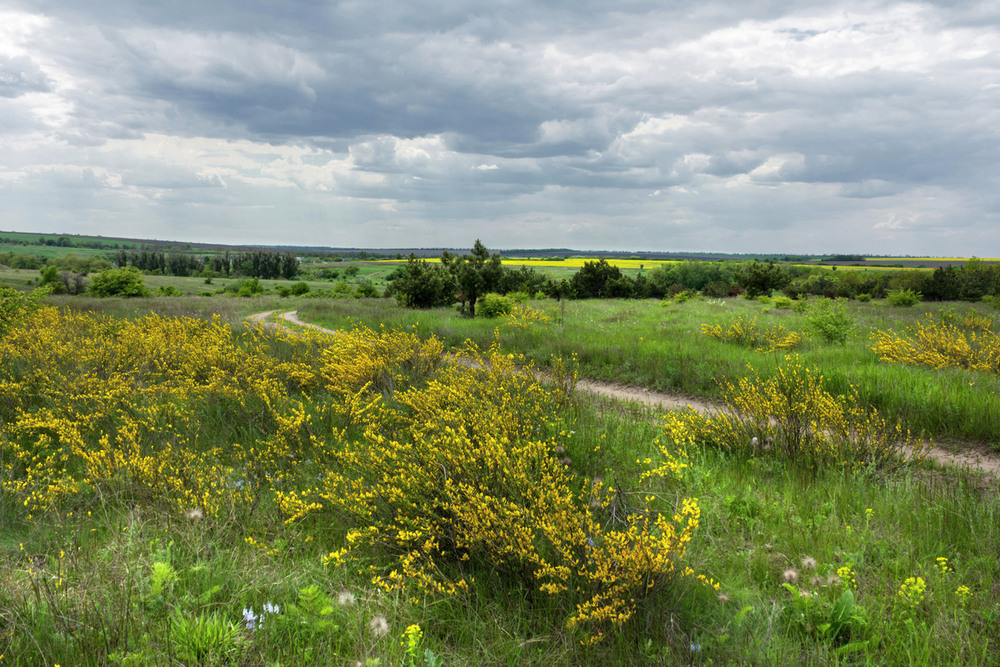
x,y
717,125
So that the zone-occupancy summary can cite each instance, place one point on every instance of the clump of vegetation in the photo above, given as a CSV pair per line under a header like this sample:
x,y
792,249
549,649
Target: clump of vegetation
x,y
970,343
126,281
495,305
783,302
762,278
830,320
745,332
245,288
905,298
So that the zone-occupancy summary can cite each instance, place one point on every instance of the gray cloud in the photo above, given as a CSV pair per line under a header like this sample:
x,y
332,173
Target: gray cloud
x,y
725,126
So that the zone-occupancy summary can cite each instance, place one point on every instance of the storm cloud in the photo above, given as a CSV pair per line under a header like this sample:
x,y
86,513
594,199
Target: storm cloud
x,y
719,126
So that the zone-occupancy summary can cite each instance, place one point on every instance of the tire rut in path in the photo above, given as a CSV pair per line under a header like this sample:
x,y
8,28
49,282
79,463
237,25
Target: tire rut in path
x,y
971,456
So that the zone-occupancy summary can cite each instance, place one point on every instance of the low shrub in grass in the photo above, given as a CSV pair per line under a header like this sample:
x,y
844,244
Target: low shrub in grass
x,y
971,343
829,319
126,281
246,288
745,332
903,297
494,305
792,415
783,303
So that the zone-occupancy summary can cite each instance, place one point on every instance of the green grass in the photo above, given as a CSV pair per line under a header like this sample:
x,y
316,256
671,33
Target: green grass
x,y
89,583
53,252
760,519
662,347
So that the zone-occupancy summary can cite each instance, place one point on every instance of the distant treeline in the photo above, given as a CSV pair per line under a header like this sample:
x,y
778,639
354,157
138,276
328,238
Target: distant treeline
x,y
255,264
464,279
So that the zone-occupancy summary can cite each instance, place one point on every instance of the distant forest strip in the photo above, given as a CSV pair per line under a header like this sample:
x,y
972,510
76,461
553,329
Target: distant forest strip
x,y
423,284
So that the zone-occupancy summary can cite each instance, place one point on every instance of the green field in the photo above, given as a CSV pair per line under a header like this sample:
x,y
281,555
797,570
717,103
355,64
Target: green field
x,y
162,476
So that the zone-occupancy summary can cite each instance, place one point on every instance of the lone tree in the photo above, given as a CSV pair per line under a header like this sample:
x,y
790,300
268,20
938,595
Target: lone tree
x,y
475,274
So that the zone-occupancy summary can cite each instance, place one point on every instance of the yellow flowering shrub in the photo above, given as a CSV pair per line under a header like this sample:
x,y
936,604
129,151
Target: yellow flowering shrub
x,y
136,408
430,459
792,414
745,332
970,344
469,472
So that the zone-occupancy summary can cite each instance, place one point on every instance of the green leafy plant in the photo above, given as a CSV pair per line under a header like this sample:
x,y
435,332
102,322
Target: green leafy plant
x,y
162,578
206,639
838,622
830,320
314,610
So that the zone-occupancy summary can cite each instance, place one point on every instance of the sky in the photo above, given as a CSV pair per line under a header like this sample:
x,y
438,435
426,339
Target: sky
x,y
719,126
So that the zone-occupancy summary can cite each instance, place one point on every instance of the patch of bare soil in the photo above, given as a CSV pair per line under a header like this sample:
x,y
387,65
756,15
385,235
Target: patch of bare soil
x,y
970,456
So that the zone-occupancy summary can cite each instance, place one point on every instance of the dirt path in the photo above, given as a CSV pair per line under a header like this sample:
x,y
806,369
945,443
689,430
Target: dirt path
x,y
970,456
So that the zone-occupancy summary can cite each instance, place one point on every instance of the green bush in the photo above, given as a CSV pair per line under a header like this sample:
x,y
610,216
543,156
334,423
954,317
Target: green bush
x,y
518,297
126,281
495,305
169,290
682,297
249,287
300,288
830,320
782,302
903,297
864,298
366,290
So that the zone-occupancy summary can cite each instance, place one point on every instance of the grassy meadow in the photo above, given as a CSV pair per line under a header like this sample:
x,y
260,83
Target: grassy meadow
x,y
661,346
181,487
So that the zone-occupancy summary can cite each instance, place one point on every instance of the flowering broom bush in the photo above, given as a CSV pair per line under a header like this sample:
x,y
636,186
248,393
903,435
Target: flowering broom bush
x,y
469,473
745,332
791,414
433,465
971,343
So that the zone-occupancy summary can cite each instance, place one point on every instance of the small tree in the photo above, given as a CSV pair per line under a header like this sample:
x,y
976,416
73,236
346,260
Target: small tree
x,y
126,281
759,278
475,274
422,285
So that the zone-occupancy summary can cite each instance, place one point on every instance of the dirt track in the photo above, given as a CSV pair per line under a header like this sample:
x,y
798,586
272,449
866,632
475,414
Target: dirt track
x,y
970,456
